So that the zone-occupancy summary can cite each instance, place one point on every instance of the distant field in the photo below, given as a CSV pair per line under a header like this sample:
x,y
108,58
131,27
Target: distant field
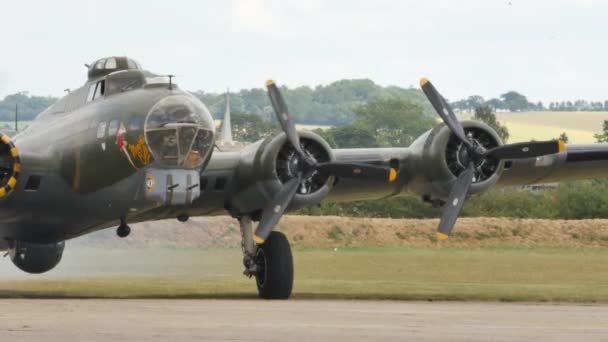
x,y
495,274
579,126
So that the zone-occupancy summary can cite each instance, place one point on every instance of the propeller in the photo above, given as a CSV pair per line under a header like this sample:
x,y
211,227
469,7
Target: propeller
x,y
272,212
476,152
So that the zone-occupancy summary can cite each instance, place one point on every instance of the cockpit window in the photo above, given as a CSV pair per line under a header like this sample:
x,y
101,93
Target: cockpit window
x,y
100,90
180,132
100,64
91,93
111,63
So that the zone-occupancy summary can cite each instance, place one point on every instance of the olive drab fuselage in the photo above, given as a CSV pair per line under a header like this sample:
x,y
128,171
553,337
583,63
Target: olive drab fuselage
x,y
89,156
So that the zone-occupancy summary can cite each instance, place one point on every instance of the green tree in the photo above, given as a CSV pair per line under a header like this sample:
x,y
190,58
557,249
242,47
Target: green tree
x,y
29,106
514,101
393,122
486,114
563,137
351,136
602,137
250,128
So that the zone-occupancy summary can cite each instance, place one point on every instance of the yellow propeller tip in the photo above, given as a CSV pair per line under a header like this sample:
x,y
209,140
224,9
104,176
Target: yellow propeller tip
x,y
258,240
423,81
269,82
392,175
441,236
561,146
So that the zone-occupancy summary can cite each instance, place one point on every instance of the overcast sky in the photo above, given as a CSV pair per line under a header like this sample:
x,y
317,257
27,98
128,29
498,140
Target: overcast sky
x,y
546,49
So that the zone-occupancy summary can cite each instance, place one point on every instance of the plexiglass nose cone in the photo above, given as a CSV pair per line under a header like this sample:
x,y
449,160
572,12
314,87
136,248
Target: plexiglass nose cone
x,y
180,132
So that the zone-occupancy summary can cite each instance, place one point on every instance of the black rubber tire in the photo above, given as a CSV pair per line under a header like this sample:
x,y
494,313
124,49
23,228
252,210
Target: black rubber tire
x,y
276,279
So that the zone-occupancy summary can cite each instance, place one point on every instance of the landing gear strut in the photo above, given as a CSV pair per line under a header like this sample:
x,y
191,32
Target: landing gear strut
x,y
123,230
271,263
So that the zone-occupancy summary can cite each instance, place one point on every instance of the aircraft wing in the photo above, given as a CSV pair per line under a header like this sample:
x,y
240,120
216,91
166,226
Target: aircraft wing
x,y
250,183
579,161
443,166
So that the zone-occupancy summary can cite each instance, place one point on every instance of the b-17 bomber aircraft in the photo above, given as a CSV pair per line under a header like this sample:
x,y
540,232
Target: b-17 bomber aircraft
x,y
131,146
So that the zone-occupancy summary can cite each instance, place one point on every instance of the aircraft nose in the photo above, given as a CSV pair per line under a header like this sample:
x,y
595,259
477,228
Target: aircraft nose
x,y
180,132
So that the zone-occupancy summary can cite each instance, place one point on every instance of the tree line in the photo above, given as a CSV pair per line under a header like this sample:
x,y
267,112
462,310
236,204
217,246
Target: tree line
x,y
333,104
513,101
29,106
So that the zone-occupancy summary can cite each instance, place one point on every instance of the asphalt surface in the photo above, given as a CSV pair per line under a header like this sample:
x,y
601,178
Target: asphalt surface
x,y
257,320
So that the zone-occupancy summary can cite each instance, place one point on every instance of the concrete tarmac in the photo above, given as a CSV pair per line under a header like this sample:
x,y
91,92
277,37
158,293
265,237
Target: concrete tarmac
x,y
69,320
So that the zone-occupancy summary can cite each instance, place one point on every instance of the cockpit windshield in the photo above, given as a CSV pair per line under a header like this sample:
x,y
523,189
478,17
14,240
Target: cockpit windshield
x,y
180,132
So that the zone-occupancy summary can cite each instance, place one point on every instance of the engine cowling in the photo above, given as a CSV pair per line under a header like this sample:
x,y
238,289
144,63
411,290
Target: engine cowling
x,y
36,258
266,166
10,165
440,159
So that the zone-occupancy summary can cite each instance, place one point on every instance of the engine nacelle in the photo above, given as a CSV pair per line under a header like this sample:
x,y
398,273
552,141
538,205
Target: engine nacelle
x,y
10,165
438,155
35,258
266,166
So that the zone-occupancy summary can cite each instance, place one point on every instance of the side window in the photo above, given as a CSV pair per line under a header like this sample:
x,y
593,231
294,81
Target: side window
x,y
136,123
101,130
101,87
91,94
113,127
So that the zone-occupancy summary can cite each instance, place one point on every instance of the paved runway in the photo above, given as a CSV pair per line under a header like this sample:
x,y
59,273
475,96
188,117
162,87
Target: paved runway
x,y
257,320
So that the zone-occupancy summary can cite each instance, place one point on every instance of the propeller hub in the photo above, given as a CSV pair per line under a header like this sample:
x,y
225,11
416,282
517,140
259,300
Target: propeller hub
x,y
290,164
463,156
459,155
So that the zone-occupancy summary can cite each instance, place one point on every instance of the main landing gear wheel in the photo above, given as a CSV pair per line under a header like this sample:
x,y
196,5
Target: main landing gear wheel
x,y
274,276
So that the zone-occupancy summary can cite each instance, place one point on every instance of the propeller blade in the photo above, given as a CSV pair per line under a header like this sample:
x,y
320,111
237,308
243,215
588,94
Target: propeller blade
x,y
443,109
273,211
526,149
358,170
455,202
282,114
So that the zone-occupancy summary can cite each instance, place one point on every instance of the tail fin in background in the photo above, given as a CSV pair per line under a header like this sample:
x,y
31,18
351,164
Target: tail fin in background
x,y
225,137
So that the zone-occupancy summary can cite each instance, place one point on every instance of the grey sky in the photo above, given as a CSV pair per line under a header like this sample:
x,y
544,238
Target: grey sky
x,y
547,49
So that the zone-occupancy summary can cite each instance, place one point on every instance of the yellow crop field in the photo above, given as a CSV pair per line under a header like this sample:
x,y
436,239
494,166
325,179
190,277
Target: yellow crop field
x,y
579,126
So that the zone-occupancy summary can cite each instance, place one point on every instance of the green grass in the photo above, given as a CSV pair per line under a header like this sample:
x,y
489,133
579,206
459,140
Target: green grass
x,y
488,274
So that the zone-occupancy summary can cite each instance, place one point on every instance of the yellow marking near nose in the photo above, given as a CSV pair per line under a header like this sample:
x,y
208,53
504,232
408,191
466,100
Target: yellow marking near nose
x,y
441,236
392,175
561,146
2,192
423,81
6,139
269,83
14,152
17,167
